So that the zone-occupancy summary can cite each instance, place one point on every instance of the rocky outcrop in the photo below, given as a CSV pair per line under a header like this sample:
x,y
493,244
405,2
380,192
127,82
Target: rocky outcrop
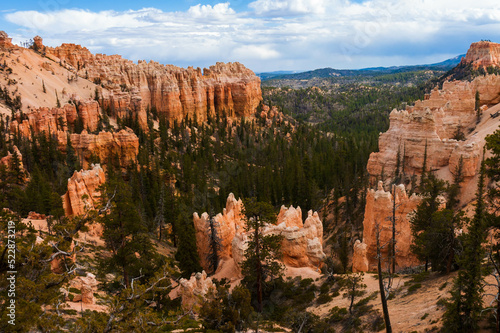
x,y
57,119
301,245
483,54
434,122
104,146
226,225
83,193
5,41
81,289
6,161
194,291
378,214
174,92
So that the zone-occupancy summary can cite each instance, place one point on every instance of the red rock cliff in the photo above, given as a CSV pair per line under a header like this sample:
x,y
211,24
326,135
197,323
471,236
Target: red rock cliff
x,y
483,54
434,121
175,92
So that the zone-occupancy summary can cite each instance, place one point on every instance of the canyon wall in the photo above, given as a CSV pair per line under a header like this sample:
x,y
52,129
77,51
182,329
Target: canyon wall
x,y
52,120
434,122
175,92
302,244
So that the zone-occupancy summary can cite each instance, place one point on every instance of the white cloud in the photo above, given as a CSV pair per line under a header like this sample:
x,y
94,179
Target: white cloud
x,y
275,34
218,11
287,7
263,52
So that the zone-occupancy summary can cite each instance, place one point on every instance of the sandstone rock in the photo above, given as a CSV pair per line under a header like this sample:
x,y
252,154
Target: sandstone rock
x,y
5,41
227,224
194,291
483,54
378,211
7,160
105,145
36,216
83,194
57,119
174,92
87,285
359,258
434,121
301,245
38,43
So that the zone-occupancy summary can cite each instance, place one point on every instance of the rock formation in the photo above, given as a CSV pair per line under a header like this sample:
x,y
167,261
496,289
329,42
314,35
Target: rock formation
x,y
301,245
483,54
378,212
6,161
174,92
83,193
194,291
81,289
105,145
5,41
57,119
434,122
226,224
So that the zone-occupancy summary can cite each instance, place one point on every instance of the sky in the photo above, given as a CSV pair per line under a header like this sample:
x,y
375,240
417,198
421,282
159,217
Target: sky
x,y
264,35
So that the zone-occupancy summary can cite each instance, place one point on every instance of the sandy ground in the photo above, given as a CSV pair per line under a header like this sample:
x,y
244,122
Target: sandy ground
x,y
31,71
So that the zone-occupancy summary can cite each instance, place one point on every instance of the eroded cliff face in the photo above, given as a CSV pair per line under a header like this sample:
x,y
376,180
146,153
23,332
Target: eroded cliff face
x,y
83,193
175,92
302,244
434,122
378,214
483,54
52,120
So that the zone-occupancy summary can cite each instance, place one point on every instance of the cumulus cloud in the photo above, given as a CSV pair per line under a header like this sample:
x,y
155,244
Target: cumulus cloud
x,y
287,7
220,10
276,34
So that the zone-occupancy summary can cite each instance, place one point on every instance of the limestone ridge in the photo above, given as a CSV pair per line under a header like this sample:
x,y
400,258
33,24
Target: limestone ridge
x,y
302,244
175,92
483,54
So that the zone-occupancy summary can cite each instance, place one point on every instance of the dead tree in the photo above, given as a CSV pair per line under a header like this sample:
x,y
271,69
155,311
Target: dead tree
x,y
214,245
383,298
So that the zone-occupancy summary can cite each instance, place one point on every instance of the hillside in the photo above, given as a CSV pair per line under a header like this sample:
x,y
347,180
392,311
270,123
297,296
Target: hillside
x,y
149,197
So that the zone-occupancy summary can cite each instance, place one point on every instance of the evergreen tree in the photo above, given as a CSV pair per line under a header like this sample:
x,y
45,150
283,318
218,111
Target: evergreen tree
x,y
260,264
187,254
464,309
125,236
423,224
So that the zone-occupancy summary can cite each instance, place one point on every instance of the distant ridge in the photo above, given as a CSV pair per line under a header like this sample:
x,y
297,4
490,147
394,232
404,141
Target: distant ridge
x,y
331,72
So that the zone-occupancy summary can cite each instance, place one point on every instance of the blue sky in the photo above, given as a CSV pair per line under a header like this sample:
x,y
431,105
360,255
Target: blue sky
x,y
265,35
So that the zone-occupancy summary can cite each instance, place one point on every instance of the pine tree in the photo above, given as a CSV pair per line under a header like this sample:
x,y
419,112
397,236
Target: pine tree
x,y
464,309
260,263
214,245
125,236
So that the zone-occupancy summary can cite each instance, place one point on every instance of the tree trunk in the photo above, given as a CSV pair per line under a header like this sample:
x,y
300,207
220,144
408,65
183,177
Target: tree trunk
x,y
387,319
258,269
352,296
393,246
